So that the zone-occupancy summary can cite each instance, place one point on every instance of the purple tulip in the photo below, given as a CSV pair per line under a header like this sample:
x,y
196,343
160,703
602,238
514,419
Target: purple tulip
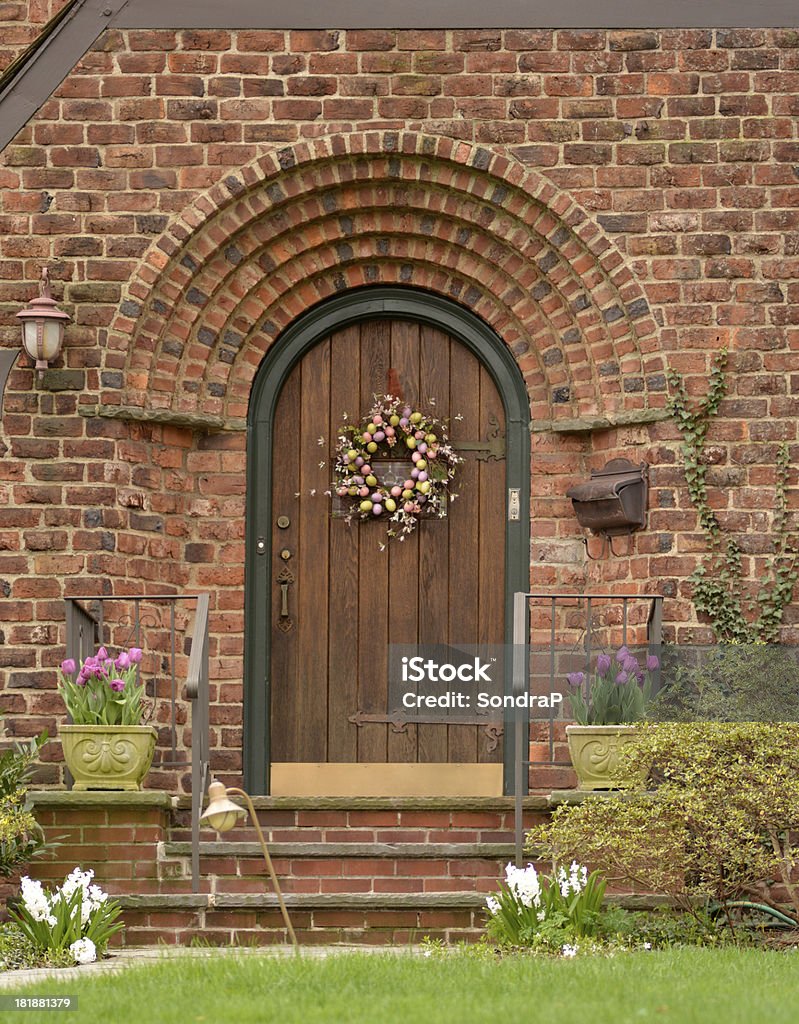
x,y
102,654
630,665
68,667
575,678
117,685
135,655
603,664
123,661
652,663
622,678
621,654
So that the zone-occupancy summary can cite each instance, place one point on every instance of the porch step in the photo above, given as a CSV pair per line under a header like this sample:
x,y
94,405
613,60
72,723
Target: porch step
x,y
377,819
339,851
318,918
345,867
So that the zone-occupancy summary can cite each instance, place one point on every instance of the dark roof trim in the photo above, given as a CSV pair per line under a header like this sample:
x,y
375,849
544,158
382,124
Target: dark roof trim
x,y
32,80
67,38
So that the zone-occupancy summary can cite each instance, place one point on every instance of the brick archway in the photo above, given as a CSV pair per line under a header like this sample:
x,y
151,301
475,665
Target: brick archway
x,y
305,223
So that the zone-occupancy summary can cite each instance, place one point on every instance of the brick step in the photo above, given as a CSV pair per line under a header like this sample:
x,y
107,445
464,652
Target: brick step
x,y
341,851
378,819
319,918
339,867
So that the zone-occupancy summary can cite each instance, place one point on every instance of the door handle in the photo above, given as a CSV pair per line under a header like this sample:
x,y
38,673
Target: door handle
x,y
284,580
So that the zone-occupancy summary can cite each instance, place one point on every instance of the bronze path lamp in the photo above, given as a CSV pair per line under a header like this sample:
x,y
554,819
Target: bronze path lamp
x,y
43,326
222,814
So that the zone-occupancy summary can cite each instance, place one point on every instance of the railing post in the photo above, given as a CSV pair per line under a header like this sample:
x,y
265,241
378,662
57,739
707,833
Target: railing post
x,y
521,636
198,693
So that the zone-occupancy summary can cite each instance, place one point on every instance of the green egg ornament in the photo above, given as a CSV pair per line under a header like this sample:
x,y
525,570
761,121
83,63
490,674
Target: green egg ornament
x,y
410,442
416,417
365,506
391,505
372,447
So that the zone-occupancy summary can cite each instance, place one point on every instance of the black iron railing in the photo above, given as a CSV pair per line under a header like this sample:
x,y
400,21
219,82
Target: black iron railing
x,y
581,631
89,627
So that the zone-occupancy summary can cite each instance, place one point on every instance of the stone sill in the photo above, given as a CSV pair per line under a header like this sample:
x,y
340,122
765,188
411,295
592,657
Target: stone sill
x,y
100,798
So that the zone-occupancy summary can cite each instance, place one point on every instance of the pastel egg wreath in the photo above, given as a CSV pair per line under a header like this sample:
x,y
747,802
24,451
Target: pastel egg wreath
x,y
395,430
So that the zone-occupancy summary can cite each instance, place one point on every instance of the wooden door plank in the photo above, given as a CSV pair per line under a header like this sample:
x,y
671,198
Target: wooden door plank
x,y
464,524
284,726
434,389
345,360
403,556
312,561
491,576
373,575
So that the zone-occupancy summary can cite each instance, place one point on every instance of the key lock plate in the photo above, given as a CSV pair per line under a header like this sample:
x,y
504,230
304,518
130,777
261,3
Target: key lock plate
x,y
284,579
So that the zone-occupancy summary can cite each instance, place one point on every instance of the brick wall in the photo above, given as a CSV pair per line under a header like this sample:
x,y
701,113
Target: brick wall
x,y
613,203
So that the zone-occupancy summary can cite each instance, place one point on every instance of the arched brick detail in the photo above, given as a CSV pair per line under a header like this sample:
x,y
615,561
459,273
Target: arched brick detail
x,y
302,224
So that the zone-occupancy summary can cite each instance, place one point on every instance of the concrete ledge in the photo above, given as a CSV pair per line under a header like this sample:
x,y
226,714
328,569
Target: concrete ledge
x,y
534,802
421,851
101,798
347,901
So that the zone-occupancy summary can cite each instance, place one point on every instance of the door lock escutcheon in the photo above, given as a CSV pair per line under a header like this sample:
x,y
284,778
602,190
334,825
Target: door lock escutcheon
x,y
283,522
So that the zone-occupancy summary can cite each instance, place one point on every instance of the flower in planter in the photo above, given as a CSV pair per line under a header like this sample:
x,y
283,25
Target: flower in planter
x,y
105,691
618,693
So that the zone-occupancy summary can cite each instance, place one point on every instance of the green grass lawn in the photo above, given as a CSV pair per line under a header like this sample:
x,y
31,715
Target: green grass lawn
x,y
685,986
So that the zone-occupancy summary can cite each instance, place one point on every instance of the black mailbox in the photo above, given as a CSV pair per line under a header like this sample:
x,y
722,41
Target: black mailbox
x,y
613,501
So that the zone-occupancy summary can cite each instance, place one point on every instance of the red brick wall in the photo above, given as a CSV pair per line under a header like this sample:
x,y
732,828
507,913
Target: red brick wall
x,y
613,203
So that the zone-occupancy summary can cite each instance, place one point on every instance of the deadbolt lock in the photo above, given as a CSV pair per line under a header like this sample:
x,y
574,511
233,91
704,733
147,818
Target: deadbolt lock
x,y
283,522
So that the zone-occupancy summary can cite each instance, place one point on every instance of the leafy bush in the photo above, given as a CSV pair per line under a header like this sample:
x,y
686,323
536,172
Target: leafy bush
x,y
550,912
728,682
17,952
717,825
21,838
78,918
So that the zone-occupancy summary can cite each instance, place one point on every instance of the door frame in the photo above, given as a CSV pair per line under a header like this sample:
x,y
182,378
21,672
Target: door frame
x,y
369,303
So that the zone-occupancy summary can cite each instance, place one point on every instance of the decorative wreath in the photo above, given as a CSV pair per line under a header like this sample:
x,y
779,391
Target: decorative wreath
x,y
367,470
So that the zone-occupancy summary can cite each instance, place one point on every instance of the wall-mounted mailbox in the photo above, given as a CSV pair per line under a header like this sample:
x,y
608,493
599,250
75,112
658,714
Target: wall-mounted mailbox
x,y
613,501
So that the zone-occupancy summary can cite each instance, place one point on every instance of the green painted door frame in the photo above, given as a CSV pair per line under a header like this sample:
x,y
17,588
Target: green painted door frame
x,y
389,303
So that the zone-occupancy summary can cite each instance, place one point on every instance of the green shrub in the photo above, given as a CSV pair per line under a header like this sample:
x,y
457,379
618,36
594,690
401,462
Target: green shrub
x,y
716,824
21,838
728,682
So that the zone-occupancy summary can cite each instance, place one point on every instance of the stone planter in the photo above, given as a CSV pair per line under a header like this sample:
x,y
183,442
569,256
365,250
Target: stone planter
x,y
594,751
108,756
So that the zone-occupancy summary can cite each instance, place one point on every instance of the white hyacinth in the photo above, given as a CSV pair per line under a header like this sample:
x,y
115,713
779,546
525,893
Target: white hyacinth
x,y
84,951
35,900
573,882
493,904
524,884
569,951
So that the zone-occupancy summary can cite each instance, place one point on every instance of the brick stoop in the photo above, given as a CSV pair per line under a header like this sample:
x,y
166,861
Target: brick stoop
x,y
353,870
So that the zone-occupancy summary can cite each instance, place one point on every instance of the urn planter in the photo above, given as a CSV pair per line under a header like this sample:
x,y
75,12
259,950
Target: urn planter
x,y
108,756
594,750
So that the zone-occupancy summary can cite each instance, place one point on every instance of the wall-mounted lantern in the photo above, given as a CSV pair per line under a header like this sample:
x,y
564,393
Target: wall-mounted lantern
x,y
43,326
613,502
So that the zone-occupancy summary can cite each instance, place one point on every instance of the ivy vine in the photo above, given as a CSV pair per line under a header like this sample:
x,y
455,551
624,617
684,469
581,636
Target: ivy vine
x,y
718,582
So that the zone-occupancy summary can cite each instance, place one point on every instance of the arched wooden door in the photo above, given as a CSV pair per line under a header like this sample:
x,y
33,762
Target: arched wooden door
x,y
339,592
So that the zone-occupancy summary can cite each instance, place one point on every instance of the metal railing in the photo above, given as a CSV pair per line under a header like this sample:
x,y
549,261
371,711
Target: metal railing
x,y
86,631
521,669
